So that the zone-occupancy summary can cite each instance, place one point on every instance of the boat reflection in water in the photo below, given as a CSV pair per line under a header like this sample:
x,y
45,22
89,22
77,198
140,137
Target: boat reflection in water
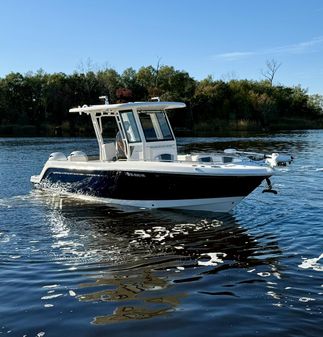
x,y
143,264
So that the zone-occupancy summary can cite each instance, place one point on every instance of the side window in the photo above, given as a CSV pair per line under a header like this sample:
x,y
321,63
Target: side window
x,y
155,126
164,127
130,126
148,127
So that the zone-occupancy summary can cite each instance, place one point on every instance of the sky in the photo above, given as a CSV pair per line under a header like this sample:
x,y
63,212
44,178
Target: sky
x,y
227,39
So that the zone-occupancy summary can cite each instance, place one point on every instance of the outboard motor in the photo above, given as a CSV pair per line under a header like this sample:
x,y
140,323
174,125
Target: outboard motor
x,y
276,159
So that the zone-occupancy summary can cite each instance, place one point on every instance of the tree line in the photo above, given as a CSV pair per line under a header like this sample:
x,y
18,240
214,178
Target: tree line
x,y
37,103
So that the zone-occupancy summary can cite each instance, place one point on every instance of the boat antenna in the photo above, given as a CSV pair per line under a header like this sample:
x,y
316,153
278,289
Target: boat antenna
x,y
106,99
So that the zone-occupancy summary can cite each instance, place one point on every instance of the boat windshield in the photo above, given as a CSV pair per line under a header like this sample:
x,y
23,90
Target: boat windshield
x,y
155,126
130,126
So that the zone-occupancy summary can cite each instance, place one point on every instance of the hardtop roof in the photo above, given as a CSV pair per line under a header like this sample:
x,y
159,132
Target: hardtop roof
x,y
140,106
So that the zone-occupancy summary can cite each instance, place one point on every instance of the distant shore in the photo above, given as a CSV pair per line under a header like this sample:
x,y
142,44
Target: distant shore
x,y
200,130
37,104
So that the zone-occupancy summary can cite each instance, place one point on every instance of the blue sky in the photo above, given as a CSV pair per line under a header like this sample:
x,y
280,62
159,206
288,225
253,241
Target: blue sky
x,y
223,38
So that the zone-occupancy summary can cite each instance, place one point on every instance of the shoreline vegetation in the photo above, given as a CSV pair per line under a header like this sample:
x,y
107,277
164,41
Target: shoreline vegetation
x,y
37,104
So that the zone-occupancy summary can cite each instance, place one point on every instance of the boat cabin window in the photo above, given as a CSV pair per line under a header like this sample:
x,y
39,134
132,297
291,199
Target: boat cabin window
x,y
165,129
155,126
130,126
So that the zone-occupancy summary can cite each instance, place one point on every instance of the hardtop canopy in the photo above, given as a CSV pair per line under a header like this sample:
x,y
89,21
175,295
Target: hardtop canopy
x,y
139,106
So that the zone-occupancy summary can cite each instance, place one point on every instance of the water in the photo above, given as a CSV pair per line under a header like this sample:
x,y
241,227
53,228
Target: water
x,y
70,267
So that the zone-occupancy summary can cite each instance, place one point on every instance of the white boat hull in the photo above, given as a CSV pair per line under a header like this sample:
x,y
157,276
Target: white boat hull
x,y
218,205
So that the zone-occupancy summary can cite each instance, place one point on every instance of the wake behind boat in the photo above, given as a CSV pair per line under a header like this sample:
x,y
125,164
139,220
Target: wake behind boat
x,y
143,169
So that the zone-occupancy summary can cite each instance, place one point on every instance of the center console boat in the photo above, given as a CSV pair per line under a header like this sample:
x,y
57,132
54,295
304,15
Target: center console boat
x,y
150,174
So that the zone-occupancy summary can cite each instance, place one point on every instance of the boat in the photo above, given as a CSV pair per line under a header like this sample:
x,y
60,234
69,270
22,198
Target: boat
x,y
149,172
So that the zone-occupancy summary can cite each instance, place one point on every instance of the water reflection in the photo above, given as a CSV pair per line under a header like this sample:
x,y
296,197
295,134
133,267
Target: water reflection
x,y
142,263
138,295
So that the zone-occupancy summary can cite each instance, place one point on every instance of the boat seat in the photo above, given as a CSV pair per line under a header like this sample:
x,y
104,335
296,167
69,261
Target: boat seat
x,y
77,156
57,156
108,151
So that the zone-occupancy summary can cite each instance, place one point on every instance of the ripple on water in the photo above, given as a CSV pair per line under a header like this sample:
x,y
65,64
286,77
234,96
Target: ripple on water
x,y
95,269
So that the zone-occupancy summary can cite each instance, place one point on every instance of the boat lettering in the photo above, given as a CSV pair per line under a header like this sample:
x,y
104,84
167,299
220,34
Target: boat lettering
x,y
138,175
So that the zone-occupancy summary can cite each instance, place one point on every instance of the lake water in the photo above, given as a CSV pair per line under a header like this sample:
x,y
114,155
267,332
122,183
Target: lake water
x,y
73,268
